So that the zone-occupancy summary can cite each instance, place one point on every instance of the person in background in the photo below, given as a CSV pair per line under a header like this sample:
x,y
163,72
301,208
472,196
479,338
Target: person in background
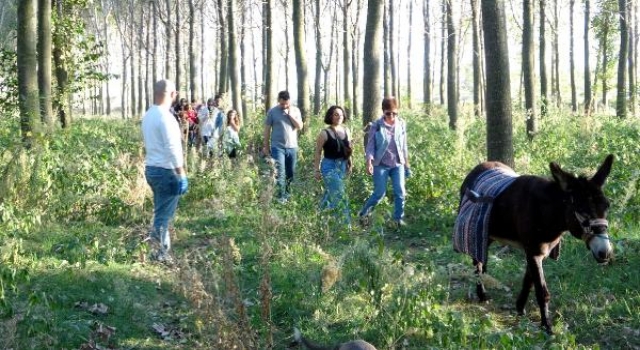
x,y
232,136
192,119
387,157
280,142
334,142
164,166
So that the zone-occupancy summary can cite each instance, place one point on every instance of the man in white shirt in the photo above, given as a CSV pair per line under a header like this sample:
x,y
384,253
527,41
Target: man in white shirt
x,y
164,166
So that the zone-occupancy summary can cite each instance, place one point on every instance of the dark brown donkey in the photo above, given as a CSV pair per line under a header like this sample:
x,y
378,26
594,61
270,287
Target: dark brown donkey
x,y
531,213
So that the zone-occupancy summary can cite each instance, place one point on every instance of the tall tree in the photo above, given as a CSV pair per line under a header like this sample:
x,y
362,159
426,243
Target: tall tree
x,y
234,55
477,54
409,41
632,22
62,75
371,79
528,66
443,41
269,68
556,57
572,60
44,61
301,58
178,48
498,90
621,99
588,95
452,68
167,44
346,55
28,101
426,80
317,97
355,58
392,48
194,62
544,85
386,37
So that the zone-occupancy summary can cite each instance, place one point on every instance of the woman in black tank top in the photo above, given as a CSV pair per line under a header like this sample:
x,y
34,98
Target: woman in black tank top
x,y
332,162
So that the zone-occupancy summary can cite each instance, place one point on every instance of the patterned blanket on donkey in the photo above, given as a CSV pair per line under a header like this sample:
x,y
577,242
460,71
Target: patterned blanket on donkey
x,y
470,232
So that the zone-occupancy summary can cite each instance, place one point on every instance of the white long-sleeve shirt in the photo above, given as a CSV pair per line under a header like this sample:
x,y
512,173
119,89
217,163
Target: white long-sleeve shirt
x,y
162,139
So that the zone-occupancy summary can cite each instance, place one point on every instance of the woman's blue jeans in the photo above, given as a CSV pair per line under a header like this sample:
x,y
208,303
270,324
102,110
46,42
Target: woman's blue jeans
x,y
381,174
286,160
164,184
333,174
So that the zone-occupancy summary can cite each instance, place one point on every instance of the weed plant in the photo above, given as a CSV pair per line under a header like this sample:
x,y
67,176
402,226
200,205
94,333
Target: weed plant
x,y
75,209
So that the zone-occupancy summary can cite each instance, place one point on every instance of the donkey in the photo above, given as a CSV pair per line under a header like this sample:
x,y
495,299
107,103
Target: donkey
x,y
531,213
351,345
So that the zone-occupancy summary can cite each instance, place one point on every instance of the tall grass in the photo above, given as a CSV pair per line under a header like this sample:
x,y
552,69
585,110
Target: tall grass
x,y
75,209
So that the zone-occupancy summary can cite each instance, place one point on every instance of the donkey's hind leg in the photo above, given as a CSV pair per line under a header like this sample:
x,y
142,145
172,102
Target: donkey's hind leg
x,y
480,290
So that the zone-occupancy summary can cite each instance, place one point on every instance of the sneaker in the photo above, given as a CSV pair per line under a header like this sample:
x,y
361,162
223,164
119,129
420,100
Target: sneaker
x,y
400,223
282,200
364,219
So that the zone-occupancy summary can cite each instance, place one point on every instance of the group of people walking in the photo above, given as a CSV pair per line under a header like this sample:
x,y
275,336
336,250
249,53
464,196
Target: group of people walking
x,y
386,154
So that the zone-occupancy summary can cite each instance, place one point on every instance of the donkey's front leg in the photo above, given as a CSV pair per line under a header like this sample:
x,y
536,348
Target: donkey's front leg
x,y
534,270
480,290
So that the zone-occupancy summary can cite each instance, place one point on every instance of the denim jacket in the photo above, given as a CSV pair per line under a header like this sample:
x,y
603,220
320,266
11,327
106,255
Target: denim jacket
x,y
379,142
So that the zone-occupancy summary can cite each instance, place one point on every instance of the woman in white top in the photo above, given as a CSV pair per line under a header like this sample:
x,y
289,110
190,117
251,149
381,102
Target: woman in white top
x,y
231,136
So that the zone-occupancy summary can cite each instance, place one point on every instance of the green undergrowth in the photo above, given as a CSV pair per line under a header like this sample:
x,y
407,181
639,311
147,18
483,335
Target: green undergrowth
x,y
75,210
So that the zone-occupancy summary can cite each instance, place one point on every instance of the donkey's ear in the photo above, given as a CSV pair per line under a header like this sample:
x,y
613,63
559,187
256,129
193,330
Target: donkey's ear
x,y
562,177
603,171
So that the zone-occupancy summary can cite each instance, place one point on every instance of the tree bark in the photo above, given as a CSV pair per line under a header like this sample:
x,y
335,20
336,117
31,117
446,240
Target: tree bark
x,y
355,59
477,66
498,90
371,79
167,45
426,79
301,59
409,41
543,61
572,61
62,76
234,55
392,48
621,99
386,67
44,61
28,99
178,51
631,23
443,57
346,56
452,69
317,97
528,67
269,47
588,95
195,89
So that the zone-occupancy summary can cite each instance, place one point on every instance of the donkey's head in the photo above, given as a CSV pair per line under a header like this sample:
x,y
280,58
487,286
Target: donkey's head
x,y
587,206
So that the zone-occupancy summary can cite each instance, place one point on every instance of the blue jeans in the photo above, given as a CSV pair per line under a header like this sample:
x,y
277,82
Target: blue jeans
x,y
164,184
285,159
333,174
380,175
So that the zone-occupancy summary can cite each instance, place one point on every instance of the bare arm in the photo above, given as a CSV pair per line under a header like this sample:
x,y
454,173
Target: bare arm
x,y
322,138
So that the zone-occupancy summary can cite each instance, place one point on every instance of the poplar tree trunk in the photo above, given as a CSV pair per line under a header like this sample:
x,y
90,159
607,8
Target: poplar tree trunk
x,y
44,61
28,99
498,91
604,47
409,92
301,59
556,57
392,48
528,67
132,53
355,58
269,47
178,50
426,79
543,61
572,61
346,56
317,97
243,75
386,67
631,23
371,79
141,60
477,67
588,95
443,57
621,99
62,100
452,69
194,67
234,56
107,66
167,45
